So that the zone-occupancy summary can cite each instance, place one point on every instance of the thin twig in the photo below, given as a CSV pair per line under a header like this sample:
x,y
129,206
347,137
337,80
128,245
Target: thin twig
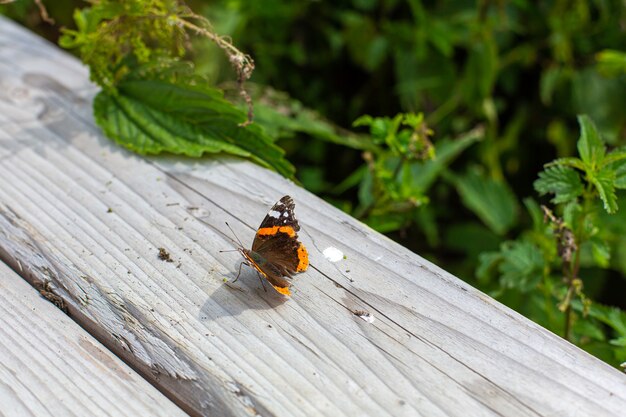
x,y
44,13
242,63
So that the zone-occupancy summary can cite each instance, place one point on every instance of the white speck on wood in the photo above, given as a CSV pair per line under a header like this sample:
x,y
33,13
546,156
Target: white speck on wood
x,y
333,254
364,315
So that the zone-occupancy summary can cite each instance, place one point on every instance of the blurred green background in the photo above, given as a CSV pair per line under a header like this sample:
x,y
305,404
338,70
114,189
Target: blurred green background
x,y
517,71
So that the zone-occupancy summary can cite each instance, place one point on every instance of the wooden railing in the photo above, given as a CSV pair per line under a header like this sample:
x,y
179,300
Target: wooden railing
x,y
381,332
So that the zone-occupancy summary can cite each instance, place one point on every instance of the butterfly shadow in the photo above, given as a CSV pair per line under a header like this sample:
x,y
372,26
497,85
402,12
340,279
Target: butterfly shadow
x,y
231,299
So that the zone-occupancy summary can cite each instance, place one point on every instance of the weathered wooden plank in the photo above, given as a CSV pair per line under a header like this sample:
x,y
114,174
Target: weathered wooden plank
x,y
435,347
49,366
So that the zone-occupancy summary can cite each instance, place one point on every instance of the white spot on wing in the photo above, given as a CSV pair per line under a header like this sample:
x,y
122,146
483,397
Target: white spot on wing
x,y
333,254
274,214
285,214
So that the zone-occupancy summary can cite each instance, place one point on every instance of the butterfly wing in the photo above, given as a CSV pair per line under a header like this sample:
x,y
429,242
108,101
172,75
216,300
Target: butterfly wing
x,y
276,241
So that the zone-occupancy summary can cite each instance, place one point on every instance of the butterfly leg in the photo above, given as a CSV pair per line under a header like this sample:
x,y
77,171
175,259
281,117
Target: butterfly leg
x,y
262,283
239,273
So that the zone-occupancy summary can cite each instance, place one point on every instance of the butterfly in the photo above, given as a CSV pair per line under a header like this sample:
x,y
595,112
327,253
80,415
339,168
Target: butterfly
x,y
276,253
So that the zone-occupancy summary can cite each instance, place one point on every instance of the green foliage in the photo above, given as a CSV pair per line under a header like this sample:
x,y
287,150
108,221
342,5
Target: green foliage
x,y
491,200
110,32
562,181
521,265
400,170
547,262
155,116
150,102
602,172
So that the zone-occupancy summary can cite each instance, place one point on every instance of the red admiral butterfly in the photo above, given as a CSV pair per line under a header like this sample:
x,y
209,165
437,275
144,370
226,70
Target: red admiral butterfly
x,y
276,253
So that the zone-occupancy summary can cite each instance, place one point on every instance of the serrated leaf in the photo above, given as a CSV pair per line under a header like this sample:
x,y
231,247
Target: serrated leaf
x,y
561,181
570,162
611,316
522,265
154,116
619,168
616,155
604,183
590,146
492,201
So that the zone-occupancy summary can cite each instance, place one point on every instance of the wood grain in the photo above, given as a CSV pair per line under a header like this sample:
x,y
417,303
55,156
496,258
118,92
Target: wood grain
x,y
88,217
49,366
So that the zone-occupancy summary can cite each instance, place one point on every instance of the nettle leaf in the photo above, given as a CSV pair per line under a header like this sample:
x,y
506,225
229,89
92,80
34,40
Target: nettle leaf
x,y
155,116
522,265
616,155
611,316
561,181
569,162
492,201
604,183
619,168
590,146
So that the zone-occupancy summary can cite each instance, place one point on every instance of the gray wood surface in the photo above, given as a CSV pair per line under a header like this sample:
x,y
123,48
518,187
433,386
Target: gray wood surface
x,y
432,346
49,366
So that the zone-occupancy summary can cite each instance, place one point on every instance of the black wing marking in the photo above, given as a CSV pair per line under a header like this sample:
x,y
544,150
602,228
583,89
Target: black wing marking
x,y
281,214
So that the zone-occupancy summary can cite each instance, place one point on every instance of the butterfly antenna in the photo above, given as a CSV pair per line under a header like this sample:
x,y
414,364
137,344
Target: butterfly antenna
x,y
233,232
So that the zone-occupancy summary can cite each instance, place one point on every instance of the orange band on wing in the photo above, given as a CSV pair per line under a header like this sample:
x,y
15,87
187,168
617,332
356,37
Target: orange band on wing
x,y
282,290
269,231
303,259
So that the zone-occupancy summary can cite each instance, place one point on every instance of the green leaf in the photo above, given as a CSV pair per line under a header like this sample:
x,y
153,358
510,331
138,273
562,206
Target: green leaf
x,y
492,201
423,174
561,181
611,316
427,222
154,116
535,213
611,62
590,146
282,116
522,265
366,191
616,155
620,341
487,261
619,168
588,328
601,252
549,82
570,162
604,183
